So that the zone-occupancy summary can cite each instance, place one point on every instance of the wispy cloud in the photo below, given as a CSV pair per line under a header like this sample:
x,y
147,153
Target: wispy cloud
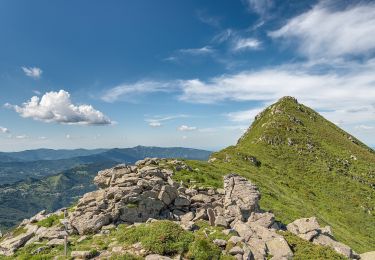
x,y
58,107
21,136
260,7
244,115
33,72
365,127
325,32
185,128
211,20
246,44
157,121
127,91
198,51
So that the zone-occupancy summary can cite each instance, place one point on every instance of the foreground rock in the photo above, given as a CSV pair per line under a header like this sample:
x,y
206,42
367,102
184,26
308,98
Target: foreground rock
x,y
310,230
146,192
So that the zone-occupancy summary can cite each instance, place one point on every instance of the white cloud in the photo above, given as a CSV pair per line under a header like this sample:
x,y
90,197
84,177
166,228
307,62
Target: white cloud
x,y
208,19
4,130
365,127
141,87
21,136
42,138
246,44
156,121
33,72
198,51
259,6
243,116
184,128
324,32
154,124
58,107
68,136
331,91
184,137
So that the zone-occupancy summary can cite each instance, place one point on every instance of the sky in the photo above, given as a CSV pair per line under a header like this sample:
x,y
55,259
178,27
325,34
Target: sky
x,y
121,73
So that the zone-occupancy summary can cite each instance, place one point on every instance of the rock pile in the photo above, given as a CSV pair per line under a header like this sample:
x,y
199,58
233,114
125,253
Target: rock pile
x,y
146,192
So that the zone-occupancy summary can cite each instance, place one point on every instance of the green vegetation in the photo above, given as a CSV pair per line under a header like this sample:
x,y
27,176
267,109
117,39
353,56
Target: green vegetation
x,y
162,237
304,250
308,167
52,220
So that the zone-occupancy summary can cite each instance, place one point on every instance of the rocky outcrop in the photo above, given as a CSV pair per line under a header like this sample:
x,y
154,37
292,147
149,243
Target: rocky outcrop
x,y
146,192
241,197
130,194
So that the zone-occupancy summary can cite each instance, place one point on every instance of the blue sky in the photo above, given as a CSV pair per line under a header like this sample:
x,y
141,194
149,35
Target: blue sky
x,y
178,73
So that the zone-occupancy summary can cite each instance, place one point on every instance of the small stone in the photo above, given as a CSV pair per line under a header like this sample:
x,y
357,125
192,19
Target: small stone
x,y
220,242
236,250
211,216
220,221
235,240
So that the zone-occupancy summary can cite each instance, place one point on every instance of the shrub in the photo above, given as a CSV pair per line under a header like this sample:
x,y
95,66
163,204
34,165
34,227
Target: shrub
x,y
50,221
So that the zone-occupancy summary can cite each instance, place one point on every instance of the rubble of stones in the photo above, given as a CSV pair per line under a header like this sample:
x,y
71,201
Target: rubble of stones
x,y
146,192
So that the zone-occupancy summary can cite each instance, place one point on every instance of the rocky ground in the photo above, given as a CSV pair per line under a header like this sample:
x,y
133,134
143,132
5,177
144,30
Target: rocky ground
x,y
146,193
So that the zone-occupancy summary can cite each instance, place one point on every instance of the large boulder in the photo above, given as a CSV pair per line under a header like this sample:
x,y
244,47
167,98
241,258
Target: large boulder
x,y
337,246
90,223
9,245
241,197
303,225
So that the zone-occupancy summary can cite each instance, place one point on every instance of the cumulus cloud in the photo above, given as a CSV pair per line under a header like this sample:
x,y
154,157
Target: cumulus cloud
x,y
4,130
246,44
33,72
185,128
58,107
325,32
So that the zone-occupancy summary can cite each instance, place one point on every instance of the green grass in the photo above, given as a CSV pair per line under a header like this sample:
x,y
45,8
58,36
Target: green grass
x,y
50,221
162,237
297,181
304,250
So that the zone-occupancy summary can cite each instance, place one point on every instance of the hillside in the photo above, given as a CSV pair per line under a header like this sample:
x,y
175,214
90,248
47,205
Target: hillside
x,y
304,165
139,212
25,198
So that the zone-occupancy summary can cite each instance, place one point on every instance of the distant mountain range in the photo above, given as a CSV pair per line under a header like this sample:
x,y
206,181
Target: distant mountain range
x,y
17,166
33,180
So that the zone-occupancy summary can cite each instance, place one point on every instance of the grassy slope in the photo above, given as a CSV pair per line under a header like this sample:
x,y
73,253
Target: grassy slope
x,y
317,175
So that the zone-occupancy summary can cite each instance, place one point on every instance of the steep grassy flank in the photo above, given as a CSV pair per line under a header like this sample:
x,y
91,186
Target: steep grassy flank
x,y
304,165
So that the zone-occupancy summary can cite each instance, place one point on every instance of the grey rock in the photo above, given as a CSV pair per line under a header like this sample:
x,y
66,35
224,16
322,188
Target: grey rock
x,y
220,221
266,219
167,194
368,256
157,257
303,225
211,216
236,251
56,242
278,247
220,242
241,197
337,246
181,202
